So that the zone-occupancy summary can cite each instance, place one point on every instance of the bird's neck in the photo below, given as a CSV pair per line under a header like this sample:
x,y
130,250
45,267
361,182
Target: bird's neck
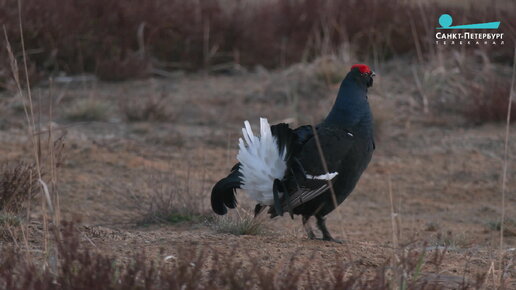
x,y
351,111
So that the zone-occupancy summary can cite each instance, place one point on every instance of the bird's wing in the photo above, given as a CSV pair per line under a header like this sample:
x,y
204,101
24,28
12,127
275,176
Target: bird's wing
x,y
310,179
305,194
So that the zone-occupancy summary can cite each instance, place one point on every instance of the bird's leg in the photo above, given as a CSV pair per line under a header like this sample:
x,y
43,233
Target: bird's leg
x,y
258,209
308,228
298,187
277,201
286,198
321,224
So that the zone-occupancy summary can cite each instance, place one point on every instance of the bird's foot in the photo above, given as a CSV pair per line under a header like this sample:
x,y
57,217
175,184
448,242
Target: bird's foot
x,y
330,239
313,237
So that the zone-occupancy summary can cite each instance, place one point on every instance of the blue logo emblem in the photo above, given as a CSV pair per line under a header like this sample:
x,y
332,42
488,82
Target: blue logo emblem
x,y
446,21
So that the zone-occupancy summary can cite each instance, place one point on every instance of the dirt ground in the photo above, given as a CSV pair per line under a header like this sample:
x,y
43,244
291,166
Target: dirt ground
x,y
445,174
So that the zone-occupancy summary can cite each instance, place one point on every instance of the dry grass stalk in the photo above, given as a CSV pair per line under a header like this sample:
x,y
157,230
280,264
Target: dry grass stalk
x,y
395,227
394,215
34,137
505,165
332,190
419,86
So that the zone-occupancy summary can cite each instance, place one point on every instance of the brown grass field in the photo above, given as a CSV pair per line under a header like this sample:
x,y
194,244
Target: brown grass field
x,y
114,178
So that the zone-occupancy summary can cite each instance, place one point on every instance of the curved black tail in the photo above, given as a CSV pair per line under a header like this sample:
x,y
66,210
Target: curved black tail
x,y
223,193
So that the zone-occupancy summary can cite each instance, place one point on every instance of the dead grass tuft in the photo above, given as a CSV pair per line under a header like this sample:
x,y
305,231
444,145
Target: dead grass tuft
x,y
88,110
151,108
509,228
164,199
9,226
243,224
489,101
18,183
466,84
452,240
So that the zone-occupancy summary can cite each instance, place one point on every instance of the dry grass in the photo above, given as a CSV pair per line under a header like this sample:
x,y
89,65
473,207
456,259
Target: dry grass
x,y
509,229
78,267
9,226
459,83
87,110
151,108
48,158
242,224
18,183
165,199
489,101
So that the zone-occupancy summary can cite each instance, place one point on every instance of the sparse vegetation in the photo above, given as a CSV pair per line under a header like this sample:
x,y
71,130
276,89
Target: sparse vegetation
x,y
151,108
490,100
509,228
452,240
9,225
243,224
201,268
87,110
165,199
18,183
431,226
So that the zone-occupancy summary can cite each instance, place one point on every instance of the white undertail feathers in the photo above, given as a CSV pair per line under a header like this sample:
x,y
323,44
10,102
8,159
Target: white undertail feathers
x,y
260,162
327,176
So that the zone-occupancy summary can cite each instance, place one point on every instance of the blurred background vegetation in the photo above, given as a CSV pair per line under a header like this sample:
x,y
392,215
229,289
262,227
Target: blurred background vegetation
x,y
124,39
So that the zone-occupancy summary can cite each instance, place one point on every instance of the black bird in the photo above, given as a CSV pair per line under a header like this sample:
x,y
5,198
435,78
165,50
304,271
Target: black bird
x,y
284,169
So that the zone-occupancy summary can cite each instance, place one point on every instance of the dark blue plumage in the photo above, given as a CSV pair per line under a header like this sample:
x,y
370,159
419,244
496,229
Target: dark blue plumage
x,y
345,138
351,108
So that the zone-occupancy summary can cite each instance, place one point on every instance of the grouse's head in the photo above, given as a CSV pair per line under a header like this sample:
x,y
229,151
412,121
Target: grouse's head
x,y
351,105
363,74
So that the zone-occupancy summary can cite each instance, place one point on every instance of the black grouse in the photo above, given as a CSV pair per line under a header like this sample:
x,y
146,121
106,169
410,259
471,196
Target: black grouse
x,y
283,167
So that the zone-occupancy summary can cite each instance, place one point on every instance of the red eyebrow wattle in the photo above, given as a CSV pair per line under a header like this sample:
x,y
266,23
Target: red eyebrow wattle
x,y
362,67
